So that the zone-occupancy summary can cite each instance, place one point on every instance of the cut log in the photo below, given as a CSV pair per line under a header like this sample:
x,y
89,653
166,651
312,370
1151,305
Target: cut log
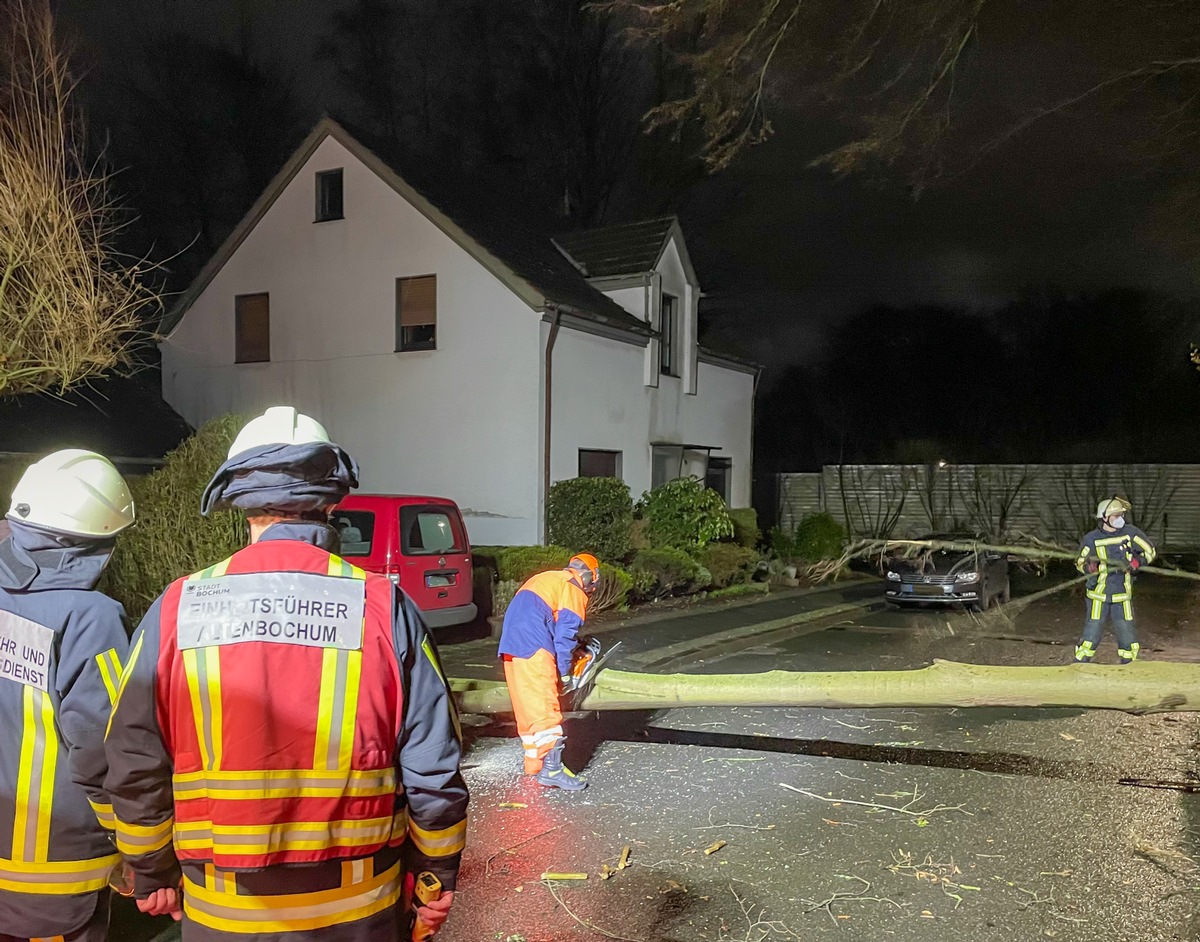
x,y
1141,687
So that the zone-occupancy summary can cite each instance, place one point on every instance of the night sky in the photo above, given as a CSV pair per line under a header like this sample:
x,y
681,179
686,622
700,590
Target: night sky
x,y
787,253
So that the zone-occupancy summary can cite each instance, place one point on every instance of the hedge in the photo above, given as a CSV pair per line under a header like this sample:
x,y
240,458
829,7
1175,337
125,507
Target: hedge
x,y
745,526
684,514
728,563
667,572
591,515
518,563
170,538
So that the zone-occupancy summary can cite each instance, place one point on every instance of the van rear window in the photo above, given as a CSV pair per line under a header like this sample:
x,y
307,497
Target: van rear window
x,y
430,531
357,530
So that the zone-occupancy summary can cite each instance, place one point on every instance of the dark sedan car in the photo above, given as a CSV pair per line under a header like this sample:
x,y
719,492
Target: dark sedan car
x,y
976,579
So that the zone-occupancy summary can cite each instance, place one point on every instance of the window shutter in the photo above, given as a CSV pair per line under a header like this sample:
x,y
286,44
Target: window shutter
x,y
416,299
252,322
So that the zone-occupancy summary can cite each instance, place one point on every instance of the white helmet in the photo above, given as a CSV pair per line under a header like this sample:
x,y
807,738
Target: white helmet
x,y
279,425
1111,507
73,491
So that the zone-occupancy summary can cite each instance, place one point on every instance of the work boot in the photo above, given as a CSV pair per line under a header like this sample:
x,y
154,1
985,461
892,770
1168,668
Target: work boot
x,y
554,774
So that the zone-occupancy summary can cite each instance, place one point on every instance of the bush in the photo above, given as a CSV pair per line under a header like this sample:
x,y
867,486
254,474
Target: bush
x,y
592,515
729,563
746,588
819,536
518,563
684,514
482,582
662,572
613,591
171,539
502,595
782,543
745,527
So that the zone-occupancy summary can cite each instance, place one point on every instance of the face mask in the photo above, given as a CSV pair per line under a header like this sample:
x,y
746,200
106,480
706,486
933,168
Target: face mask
x,y
1116,522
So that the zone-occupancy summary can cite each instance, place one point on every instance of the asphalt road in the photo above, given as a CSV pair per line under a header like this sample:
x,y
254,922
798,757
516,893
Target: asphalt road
x,y
911,824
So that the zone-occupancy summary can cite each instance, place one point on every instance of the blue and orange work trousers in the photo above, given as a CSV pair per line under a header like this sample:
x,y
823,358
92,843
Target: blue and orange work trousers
x,y
1121,615
533,689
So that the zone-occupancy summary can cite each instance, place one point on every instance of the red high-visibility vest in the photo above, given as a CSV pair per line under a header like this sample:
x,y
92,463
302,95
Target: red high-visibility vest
x,y
281,724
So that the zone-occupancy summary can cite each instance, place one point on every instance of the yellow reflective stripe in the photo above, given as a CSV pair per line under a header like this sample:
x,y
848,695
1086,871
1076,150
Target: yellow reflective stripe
x,y
1146,548
202,666
56,877
258,915
325,707
29,732
277,838
441,843
284,784
104,814
35,778
136,839
110,672
126,673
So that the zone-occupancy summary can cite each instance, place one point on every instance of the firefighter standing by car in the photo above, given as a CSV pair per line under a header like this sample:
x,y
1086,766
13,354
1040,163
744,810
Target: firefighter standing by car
x,y
542,653
1110,556
284,751
61,647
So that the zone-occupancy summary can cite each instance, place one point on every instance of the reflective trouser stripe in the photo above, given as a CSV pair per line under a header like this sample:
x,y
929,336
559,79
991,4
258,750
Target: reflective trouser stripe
x,y
1097,609
1130,653
1084,651
258,915
244,840
56,877
110,672
35,778
283,783
442,843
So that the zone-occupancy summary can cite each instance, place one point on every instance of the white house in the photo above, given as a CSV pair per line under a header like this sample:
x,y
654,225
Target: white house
x,y
457,357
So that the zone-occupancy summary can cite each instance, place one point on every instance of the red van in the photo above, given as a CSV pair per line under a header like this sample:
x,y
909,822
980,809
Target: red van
x,y
420,543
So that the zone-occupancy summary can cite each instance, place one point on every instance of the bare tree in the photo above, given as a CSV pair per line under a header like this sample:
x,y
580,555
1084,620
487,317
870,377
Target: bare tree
x,y
873,498
71,307
992,496
894,72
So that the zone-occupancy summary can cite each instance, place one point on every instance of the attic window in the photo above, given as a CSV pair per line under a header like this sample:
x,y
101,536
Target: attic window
x,y
252,328
329,195
416,313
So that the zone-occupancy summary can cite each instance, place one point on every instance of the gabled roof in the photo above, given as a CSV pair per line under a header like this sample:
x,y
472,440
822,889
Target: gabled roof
x,y
629,249
525,260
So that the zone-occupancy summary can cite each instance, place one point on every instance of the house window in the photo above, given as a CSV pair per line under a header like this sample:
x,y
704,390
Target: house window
x,y
595,463
667,353
416,313
252,328
329,195
719,472
666,463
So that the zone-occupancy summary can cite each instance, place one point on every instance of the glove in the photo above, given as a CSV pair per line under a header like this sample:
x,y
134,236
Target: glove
x,y
1135,563
434,914
1092,566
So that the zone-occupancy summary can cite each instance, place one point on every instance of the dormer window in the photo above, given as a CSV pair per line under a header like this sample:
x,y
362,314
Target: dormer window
x,y
668,348
329,195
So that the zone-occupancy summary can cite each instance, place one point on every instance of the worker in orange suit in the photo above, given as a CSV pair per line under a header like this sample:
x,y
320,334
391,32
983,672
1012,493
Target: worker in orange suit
x,y
539,644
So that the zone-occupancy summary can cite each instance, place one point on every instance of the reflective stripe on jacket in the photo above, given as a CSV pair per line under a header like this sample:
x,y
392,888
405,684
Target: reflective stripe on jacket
x,y
60,660
545,615
290,726
1112,552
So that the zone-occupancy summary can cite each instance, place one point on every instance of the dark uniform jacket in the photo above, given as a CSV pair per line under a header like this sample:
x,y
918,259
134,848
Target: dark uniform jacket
x,y
1112,551
61,647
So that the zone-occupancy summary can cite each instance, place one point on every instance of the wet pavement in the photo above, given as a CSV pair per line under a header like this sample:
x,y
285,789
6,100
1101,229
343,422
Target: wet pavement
x,y
850,824
863,824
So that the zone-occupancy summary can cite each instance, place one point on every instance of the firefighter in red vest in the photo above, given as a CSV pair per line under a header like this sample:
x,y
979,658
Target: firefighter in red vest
x,y
284,751
540,647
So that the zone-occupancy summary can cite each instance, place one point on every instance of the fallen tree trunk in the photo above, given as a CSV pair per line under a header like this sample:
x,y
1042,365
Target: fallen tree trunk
x,y
1142,687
